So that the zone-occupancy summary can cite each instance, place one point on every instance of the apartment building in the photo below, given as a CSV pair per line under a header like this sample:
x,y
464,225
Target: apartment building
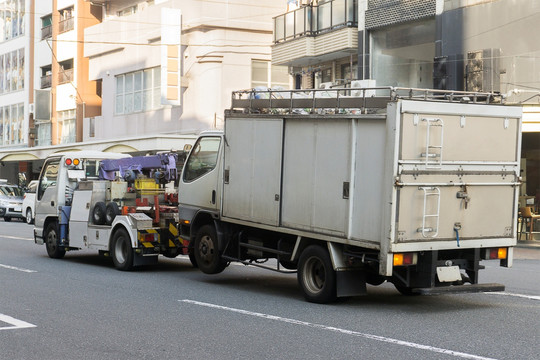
x,y
139,76
473,45
15,79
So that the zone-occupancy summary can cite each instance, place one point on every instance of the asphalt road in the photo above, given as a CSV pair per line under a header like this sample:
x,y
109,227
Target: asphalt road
x,y
81,307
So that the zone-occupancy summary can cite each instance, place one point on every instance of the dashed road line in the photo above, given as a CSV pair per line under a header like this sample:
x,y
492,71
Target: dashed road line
x,y
15,323
17,268
341,331
16,238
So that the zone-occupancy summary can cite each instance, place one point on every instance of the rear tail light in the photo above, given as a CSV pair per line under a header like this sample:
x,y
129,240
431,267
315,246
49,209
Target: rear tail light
x,y
496,253
404,259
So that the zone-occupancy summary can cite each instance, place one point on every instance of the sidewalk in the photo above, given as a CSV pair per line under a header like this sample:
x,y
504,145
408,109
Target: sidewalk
x,y
529,244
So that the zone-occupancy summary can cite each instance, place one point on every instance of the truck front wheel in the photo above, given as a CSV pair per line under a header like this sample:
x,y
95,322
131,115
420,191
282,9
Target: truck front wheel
x,y
206,251
122,253
316,275
51,242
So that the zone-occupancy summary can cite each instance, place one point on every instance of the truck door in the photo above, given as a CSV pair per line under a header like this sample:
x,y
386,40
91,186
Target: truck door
x,y
47,195
199,181
252,172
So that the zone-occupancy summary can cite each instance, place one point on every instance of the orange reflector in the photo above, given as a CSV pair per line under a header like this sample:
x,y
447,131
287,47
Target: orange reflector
x,y
502,253
398,259
186,222
76,162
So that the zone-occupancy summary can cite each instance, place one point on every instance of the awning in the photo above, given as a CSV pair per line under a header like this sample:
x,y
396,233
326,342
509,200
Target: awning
x,y
19,157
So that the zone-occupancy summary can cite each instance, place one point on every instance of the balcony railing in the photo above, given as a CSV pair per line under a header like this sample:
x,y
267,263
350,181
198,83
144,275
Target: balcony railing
x,y
315,19
66,25
46,81
46,32
65,76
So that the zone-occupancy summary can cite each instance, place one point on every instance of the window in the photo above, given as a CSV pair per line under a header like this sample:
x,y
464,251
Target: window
x,y
202,159
12,71
12,18
11,124
49,176
403,55
138,91
67,121
128,11
65,74
264,74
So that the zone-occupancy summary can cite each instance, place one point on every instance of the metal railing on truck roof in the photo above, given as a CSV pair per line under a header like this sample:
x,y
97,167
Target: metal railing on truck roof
x,y
345,100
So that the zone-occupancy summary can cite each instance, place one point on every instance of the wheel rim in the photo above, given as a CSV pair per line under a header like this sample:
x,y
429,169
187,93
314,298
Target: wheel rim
x,y
29,216
314,275
120,250
206,249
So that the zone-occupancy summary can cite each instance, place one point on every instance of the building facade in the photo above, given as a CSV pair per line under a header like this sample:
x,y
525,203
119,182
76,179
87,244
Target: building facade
x,y
472,45
131,75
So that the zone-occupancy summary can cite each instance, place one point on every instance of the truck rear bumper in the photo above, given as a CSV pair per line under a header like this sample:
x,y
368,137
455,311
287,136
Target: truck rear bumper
x,y
474,288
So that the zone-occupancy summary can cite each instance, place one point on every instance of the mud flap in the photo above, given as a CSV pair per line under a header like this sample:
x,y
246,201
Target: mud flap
x,y
140,260
350,283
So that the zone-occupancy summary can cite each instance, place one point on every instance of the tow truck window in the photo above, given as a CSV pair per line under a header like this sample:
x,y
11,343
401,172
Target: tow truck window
x,y
49,176
203,158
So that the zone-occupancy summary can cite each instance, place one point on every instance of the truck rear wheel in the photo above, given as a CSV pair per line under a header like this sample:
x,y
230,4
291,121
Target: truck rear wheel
x,y
122,252
51,242
316,275
206,251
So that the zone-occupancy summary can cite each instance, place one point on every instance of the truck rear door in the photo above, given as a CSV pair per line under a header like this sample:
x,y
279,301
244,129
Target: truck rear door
x,y
457,175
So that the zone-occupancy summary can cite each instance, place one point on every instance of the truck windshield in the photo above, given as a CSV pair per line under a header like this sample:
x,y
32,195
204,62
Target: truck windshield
x,y
203,158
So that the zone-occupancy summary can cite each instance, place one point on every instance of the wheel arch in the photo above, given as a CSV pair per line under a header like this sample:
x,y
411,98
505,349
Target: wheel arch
x,y
203,218
130,233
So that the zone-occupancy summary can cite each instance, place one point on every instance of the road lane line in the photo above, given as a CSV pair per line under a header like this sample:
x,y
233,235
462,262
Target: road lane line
x,y
16,238
342,331
17,268
16,324
531,297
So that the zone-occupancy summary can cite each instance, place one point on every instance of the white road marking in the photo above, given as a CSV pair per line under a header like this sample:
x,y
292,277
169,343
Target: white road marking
x,y
17,238
16,324
341,331
531,297
17,268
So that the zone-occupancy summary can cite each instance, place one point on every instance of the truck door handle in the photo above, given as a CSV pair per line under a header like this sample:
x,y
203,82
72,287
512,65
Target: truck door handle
x,y
213,196
52,203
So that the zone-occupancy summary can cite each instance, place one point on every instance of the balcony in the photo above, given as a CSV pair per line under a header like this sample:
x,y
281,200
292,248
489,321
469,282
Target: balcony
x,y
65,76
316,33
46,32
66,25
46,81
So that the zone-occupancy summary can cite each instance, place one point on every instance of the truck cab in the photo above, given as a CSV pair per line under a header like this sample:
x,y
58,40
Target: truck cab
x,y
59,177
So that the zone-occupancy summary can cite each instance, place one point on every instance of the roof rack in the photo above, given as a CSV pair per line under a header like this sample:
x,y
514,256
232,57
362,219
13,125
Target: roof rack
x,y
346,100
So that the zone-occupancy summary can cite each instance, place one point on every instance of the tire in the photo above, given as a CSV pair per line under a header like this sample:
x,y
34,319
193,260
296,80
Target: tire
x,y
121,250
206,251
316,275
374,279
7,219
51,242
98,213
111,210
29,219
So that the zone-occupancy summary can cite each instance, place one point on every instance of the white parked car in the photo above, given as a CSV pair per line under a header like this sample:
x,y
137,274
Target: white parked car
x,y
29,201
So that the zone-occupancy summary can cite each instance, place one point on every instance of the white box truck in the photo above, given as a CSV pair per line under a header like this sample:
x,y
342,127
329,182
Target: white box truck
x,y
414,187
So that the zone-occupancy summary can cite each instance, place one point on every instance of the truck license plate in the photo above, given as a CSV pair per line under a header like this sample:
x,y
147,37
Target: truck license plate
x,y
448,273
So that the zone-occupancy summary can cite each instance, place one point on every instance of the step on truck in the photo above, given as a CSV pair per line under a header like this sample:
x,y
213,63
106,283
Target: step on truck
x,y
116,204
349,187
